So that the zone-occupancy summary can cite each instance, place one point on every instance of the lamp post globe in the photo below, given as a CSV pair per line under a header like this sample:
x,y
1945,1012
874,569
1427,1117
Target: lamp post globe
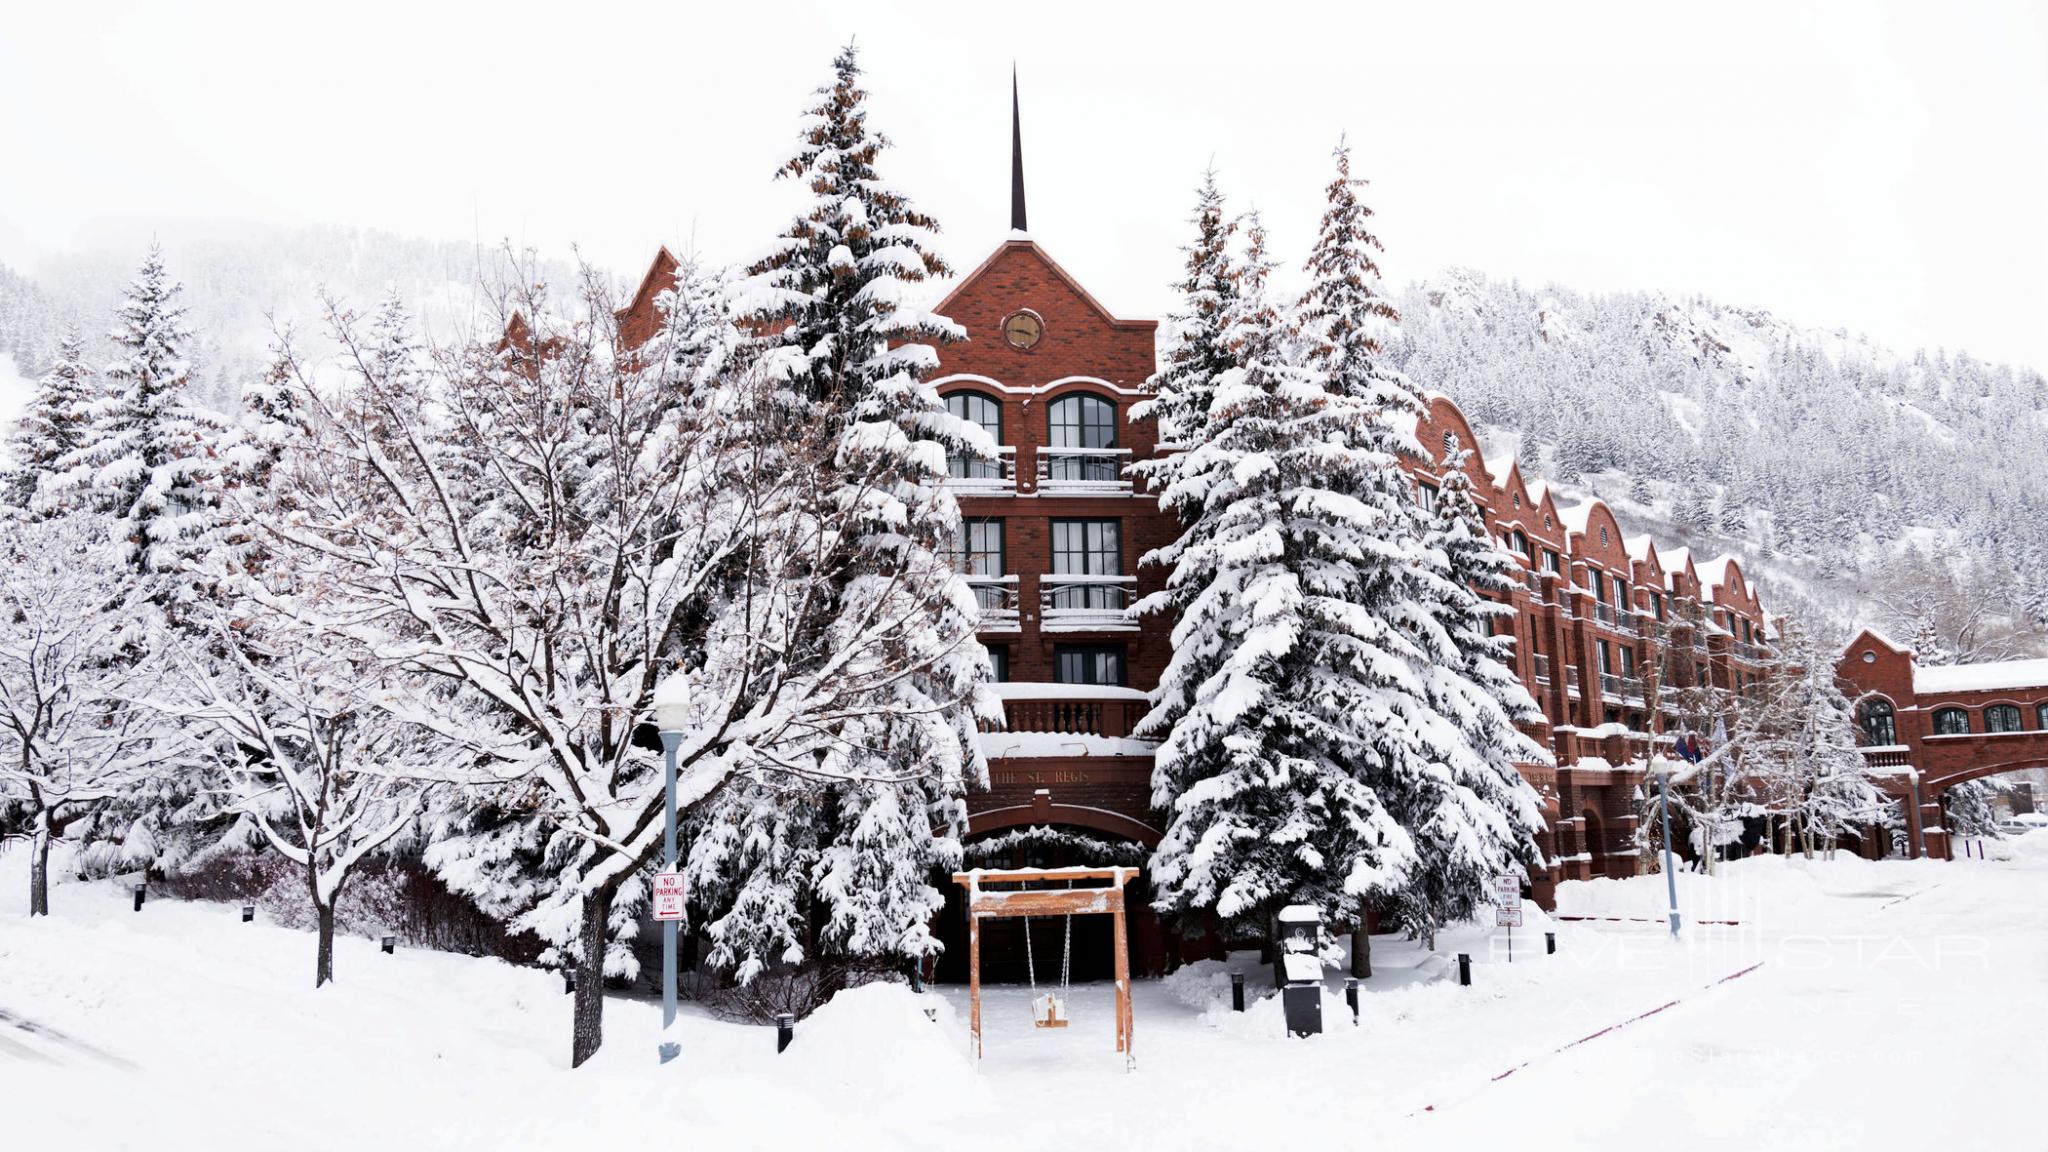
x,y
672,703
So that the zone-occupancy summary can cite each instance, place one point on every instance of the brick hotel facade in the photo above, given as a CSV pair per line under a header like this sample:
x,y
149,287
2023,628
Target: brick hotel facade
x,y
1053,536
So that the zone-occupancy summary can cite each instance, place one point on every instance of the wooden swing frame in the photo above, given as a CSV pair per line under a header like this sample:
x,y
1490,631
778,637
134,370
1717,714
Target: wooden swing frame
x,y
1094,901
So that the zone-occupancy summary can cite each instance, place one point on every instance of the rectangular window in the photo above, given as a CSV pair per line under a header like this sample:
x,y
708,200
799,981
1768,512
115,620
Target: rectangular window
x,y
1088,664
1551,563
1620,592
1657,605
1088,548
980,551
999,659
1425,495
1606,660
1628,662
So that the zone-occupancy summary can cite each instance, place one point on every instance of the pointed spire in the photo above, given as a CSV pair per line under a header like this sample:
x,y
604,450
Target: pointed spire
x,y
1016,159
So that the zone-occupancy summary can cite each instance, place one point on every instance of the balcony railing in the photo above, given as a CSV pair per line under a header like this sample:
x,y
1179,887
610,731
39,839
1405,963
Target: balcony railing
x,y
1086,603
1534,580
971,475
997,596
1620,687
1083,471
1088,717
1542,669
1752,653
1616,618
1571,679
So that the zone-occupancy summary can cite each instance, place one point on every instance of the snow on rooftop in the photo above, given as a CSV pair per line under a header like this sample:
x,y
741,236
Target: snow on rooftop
x,y
1981,677
1578,515
1640,548
1498,466
1714,573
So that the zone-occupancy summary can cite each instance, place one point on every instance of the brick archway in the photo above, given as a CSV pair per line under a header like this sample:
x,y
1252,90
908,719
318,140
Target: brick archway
x,y
1926,801
1043,811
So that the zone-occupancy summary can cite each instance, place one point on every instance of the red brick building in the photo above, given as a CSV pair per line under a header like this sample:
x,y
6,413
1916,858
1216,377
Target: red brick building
x,y
1055,531
1928,728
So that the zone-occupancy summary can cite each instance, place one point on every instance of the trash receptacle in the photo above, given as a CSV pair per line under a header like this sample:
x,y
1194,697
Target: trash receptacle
x,y
1301,970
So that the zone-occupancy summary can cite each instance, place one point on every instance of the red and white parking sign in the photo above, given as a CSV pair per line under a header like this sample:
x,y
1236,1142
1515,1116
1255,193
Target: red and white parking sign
x,y
668,896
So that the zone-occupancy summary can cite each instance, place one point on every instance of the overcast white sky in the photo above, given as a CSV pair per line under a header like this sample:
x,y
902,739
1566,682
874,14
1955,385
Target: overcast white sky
x,y
1878,166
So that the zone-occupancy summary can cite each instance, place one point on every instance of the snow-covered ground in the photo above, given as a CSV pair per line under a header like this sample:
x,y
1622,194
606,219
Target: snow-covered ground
x,y
1854,1005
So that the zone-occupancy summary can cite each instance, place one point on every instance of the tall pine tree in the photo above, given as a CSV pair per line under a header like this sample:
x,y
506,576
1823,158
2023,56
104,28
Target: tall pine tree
x,y
58,421
1291,692
1473,816
852,350
150,459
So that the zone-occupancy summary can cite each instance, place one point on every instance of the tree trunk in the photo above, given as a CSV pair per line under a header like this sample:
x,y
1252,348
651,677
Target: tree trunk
x,y
39,871
589,1026
323,964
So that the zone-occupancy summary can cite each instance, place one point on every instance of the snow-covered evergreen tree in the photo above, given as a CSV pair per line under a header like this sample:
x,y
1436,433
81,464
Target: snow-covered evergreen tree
x,y
1196,352
58,421
1473,816
852,350
1292,695
150,459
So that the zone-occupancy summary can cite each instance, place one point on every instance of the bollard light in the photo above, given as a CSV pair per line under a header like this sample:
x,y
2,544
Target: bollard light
x,y
1237,991
248,913
390,945
138,897
1351,997
785,1030
1464,970
568,981
1550,943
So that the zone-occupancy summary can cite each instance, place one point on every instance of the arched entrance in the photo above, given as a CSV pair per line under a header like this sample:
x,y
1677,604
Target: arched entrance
x,y
1065,837
1934,799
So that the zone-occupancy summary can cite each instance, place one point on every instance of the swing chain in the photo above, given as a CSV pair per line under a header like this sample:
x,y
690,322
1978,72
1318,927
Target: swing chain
x,y
1030,961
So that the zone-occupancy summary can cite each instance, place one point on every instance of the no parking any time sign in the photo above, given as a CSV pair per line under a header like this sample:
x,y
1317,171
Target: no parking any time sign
x,y
668,896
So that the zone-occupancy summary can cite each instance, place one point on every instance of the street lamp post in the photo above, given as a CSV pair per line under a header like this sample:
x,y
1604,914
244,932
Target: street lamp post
x,y
1664,810
671,716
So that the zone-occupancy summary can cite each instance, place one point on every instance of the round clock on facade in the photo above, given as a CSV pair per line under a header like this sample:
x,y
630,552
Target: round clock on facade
x,y
1023,329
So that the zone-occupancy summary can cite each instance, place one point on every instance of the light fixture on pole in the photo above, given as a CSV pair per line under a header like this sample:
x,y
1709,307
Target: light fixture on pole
x,y
671,717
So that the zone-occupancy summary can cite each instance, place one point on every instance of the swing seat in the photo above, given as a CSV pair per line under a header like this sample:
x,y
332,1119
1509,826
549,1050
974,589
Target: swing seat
x,y
1049,1011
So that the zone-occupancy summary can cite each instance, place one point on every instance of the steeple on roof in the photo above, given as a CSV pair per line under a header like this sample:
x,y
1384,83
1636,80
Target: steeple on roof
x,y
1016,159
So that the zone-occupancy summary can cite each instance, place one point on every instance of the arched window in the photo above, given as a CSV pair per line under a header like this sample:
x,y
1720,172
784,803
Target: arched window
x,y
2002,718
986,411
1951,722
1880,725
1083,439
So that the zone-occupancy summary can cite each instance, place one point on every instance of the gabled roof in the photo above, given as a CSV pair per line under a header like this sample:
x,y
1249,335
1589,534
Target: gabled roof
x,y
1579,517
1017,241
661,274
1717,573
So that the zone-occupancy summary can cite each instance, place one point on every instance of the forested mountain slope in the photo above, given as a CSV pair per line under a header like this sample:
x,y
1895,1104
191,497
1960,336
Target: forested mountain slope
x,y
1883,487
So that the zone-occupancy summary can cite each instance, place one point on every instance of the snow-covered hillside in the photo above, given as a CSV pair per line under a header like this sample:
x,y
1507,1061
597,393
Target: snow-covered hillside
x,y
1818,453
